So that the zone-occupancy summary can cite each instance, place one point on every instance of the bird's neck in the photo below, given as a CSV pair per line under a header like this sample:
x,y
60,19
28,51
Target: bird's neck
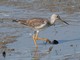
x,y
50,24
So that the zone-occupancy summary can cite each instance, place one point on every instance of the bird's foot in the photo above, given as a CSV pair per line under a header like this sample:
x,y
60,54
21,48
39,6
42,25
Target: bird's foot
x,y
48,41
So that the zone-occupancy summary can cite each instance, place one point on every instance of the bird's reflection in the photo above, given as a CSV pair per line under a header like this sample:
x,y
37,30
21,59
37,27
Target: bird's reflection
x,y
37,55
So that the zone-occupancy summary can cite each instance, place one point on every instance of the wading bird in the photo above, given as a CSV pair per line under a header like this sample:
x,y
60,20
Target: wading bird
x,y
38,24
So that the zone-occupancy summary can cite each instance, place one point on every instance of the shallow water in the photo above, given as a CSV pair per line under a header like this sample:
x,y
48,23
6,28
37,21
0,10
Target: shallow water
x,y
16,39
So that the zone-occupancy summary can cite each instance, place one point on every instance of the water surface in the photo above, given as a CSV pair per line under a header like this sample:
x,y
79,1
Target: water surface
x,y
16,39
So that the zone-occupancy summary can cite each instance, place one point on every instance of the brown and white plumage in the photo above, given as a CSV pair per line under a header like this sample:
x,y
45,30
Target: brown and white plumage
x,y
38,24
35,23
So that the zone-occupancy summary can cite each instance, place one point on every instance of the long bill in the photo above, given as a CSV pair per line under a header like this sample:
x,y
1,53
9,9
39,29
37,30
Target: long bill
x,y
64,21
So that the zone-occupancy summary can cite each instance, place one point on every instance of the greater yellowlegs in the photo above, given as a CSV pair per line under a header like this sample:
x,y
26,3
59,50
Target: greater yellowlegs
x,y
38,24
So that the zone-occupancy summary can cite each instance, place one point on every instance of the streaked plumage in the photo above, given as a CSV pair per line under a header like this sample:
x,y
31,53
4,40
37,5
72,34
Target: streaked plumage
x,y
35,23
38,24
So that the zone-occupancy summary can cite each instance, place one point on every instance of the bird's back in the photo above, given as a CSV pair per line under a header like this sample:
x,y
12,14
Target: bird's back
x,y
34,22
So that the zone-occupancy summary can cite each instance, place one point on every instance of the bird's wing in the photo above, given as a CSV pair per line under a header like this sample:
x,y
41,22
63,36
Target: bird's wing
x,y
34,22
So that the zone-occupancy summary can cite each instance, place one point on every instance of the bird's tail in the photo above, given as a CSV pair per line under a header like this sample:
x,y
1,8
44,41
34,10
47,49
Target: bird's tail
x,y
14,20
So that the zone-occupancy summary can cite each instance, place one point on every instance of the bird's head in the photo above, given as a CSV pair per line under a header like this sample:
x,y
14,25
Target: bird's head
x,y
55,17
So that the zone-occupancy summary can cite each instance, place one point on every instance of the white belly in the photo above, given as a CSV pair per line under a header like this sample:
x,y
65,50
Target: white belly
x,y
41,26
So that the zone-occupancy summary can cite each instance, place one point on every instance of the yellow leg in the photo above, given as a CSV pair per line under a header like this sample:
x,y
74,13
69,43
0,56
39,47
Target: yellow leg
x,y
35,37
44,39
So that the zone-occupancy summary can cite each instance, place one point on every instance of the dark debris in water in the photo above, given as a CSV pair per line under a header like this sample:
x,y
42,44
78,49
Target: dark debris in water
x,y
52,42
55,42
4,50
4,54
